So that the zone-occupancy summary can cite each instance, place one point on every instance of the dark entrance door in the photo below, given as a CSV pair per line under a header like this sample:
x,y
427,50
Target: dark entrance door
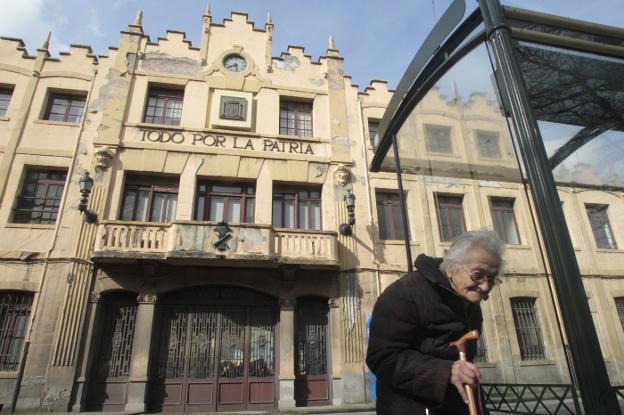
x,y
311,365
216,352
109,384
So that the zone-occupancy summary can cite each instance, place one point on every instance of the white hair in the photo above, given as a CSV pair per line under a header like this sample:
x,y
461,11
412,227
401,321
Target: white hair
x,y
464,243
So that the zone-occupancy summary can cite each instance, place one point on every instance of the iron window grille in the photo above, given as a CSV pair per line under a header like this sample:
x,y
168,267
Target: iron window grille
x,y
619,304
15,308
297,208
450,216
118,336
151,199
311,336
372,132
164,106
438,139
601,228
389,218
528,330
65,108
487,144
5,98
504,219
40,196
225,202
296,118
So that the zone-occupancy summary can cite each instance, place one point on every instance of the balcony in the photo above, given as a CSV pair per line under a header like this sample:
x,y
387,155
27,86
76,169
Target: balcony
x,y
190,242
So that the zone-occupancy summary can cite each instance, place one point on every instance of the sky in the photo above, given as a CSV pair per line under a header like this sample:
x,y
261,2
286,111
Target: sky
x,y
377,38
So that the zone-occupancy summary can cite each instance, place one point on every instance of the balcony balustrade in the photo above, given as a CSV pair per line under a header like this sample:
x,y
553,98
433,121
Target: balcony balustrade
x,y
206,241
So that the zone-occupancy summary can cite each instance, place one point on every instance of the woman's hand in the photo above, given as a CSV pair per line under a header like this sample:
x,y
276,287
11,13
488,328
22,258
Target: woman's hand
x,y
464,373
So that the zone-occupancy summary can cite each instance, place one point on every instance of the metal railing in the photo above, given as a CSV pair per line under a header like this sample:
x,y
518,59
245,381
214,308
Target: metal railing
x,y
531,399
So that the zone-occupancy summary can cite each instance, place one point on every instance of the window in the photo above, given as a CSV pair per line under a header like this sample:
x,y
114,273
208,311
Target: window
x,y
389,215
298,208
164,106
225,202
450,216
14,313
65,107
5,98
438,138
487,143
527,328
150,199
504,219
481,356
619,304
296,118
372,132
40,197
599,221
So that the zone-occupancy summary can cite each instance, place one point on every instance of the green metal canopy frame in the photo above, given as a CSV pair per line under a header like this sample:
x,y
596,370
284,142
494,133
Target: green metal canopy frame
x,y
441,50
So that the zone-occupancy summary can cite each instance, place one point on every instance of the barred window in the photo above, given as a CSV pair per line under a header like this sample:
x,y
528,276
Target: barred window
x,y
164,106
528,329
619,304
5,98
297,208
450,216
40,196
487,144
481,356
389,216
438,138
504,219
296,118
225,202
150,199
65,107
15,309
601,228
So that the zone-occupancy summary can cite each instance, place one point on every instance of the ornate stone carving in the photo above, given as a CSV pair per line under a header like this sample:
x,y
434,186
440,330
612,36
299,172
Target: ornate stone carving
x,y
147,298
342,175
333,303
95,297
103,157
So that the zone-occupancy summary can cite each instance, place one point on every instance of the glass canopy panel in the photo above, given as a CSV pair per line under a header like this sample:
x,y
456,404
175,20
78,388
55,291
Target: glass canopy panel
x,y
578,100
457,130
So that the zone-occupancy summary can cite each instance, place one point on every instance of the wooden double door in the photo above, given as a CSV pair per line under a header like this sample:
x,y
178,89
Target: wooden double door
x,y
215,353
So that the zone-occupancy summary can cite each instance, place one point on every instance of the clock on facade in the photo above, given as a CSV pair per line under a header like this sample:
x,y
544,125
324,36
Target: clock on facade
x,y
234,63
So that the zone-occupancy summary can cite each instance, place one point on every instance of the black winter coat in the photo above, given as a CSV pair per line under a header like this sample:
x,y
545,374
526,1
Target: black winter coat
x,y
413,322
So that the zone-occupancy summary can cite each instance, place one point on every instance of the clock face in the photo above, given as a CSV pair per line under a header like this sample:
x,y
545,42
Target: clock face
x,y
235,63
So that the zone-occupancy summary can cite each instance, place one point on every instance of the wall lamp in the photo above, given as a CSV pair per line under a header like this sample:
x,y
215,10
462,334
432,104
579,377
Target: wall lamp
x,y
346,228
86,184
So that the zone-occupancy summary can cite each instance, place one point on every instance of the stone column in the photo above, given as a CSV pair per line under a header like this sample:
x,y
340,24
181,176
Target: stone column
x,y
86,365
141,347
335,351
287,354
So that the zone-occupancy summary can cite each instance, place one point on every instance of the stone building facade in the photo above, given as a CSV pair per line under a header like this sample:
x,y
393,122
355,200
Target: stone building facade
x,y
215,276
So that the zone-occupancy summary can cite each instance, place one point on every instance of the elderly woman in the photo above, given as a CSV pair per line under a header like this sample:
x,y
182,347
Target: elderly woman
x,y
417,317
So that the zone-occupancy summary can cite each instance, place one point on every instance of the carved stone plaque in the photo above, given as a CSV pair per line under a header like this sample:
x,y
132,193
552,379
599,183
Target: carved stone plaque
x,y
233,108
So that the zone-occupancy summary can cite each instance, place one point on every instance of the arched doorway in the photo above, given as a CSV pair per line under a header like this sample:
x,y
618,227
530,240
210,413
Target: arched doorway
x,y
215,351
108,388
311,354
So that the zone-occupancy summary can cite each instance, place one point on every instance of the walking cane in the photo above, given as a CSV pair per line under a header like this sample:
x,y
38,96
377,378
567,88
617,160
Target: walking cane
x,y
461,346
